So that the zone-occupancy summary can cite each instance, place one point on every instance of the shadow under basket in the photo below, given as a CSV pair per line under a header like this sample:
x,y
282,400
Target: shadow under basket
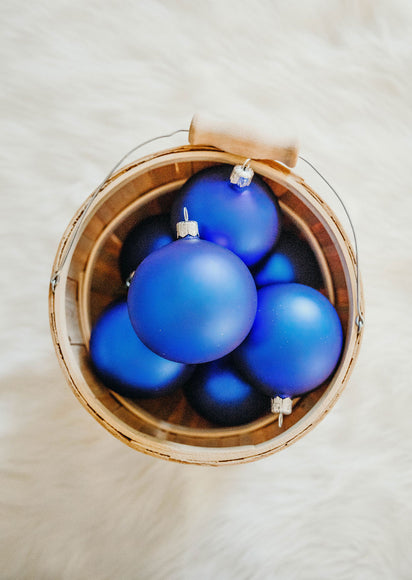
x,y
168,427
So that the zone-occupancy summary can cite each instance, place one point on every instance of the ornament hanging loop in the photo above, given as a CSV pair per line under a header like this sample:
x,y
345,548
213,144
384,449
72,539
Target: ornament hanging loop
x,y
246,164
280,420
129,279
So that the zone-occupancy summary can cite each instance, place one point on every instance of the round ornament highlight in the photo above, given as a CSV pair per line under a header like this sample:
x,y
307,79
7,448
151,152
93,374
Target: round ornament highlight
x,y
221,396
295,343
192,301
125,364
241,216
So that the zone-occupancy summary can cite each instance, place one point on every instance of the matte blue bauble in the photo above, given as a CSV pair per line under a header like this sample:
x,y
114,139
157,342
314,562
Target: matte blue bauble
x,y
292,260
149,235
295,342
192,301
221,396
125,364
244,220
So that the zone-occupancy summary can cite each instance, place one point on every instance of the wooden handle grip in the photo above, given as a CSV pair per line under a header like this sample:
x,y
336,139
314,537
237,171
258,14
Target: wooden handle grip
x,y
259,143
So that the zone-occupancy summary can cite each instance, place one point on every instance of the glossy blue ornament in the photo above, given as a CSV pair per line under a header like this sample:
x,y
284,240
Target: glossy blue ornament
x,y
246,220
149,235
192,301
222,397
292,260
295,343
125,364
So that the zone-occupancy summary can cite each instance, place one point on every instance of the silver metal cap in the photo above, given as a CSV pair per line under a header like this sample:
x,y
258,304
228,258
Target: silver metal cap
x,y
282,407
242,175
188,227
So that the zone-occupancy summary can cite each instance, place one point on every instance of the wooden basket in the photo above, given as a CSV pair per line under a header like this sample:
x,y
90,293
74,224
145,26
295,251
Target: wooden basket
x,y
168,427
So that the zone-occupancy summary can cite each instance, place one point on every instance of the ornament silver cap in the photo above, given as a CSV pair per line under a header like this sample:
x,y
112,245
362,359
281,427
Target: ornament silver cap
x,y
187,227
282,407
242,175
130,278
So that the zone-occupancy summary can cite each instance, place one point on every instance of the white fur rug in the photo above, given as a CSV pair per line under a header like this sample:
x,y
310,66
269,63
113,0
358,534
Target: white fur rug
x,y
82,83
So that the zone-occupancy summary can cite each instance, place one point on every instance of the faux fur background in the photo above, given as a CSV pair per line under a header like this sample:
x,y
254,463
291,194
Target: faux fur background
x,y
83,82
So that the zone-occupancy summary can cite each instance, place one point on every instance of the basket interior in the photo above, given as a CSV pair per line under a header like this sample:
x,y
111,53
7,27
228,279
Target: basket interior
x,y
94,281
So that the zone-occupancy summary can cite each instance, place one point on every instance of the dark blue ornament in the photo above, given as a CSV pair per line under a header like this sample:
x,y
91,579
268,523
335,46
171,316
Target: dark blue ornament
x,y
295,342
246,220
125,364
192,301
149,235
292,260
222,397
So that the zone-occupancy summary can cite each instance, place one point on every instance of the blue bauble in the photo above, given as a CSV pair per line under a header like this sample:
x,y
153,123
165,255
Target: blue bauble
x,y
221,396
292,260
244,220
125,364
149,235
192,301
295,342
